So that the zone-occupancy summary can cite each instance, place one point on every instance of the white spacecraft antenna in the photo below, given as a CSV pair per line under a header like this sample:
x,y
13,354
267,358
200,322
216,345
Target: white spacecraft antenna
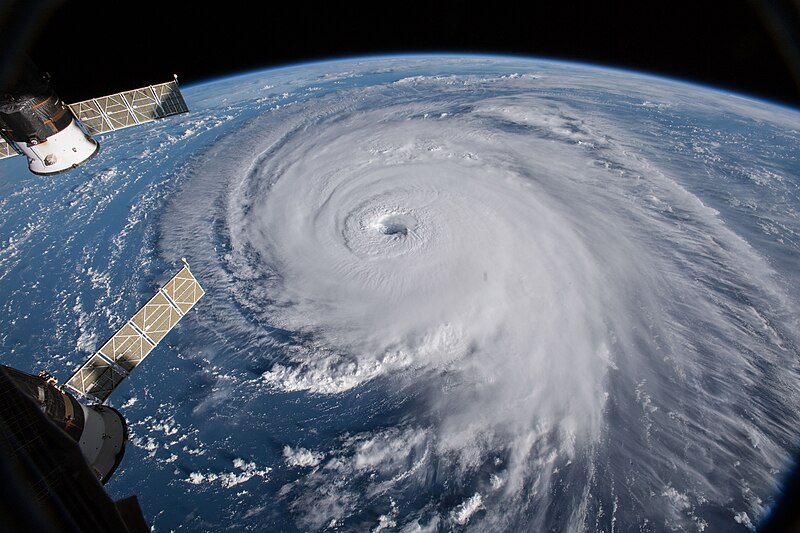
x,y
97,378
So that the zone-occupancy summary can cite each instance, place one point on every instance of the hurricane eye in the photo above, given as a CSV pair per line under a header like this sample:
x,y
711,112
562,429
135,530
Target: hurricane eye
x,y
395,225
395,229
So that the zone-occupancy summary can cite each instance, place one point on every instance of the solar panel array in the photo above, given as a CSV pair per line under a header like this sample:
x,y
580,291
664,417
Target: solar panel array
x,y
97,378
129,108
122,110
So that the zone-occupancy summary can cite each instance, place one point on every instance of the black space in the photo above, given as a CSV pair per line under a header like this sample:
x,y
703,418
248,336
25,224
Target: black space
x,y
90,48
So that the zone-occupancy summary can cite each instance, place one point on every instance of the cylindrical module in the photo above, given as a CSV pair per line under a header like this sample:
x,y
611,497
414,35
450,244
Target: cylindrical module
x,y
100,431
39,125
103,439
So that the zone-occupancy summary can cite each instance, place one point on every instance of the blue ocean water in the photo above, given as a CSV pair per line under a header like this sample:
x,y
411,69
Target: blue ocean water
x,y
591,325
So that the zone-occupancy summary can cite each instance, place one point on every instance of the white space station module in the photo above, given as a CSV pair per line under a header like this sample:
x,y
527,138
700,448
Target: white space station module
x,y
56,137
99,430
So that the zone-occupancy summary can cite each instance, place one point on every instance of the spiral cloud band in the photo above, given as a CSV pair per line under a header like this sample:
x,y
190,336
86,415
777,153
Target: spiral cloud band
x,y
584,334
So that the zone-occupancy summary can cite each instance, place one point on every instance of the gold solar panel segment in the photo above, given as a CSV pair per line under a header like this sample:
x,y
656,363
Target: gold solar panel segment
x,y
97,377
156,318
89,114
116,111
183,290
143,103
127,348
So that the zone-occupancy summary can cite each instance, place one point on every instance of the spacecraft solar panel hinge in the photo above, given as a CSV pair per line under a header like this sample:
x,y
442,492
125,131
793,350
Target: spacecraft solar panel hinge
x,y
97,378
129,108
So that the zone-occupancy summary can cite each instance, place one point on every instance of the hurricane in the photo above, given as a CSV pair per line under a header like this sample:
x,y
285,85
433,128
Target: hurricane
x,y
528,271
523,300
